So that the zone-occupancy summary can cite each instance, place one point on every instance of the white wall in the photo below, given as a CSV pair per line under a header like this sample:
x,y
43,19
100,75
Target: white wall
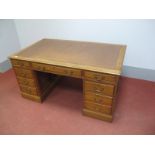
x,y
9,42
138,35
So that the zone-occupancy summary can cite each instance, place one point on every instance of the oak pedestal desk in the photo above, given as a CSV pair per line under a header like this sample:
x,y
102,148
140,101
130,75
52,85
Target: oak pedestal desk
x,y
39,66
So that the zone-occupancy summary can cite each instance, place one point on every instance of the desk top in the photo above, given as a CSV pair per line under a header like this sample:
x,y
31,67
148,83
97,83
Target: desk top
x,y
99,57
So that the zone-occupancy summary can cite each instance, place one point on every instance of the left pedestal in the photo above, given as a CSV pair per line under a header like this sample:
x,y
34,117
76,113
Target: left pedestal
x,y
27,80
33,85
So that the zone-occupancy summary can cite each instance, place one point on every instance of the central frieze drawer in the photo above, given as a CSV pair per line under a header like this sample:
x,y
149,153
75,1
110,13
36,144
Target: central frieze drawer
x,y
99,88
57,70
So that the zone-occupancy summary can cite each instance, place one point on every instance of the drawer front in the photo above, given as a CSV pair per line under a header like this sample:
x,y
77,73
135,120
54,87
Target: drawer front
x,y
23,73
42,67
20,63
68,71
57,70
29,90
101,78
98,108
26,82
98,99
103,89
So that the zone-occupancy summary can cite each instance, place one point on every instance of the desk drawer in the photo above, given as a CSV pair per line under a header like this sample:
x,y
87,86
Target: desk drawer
x,y
98,99
103,89
26,82
57,70
98,108
100,77
29,90
68,71
23,72
20,63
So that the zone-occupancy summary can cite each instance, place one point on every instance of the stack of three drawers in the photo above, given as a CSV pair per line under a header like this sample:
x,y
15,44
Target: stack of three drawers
x,y
26,79
99,94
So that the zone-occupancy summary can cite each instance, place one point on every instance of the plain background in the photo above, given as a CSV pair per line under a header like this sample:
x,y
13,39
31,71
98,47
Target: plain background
x,y
82,144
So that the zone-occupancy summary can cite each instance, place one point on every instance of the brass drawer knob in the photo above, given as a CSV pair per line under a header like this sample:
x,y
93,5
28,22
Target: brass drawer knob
x,y
71,72
65,71
98,100
99,78
98,89
21,64
23,74
96,108
68,72
48,68
25,82
44,68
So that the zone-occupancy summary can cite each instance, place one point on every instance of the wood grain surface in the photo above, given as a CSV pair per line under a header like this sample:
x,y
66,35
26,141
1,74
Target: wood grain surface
x,y
99,57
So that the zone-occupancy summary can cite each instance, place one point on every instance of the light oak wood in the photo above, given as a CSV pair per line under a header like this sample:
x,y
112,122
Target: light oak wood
x,y
99,65
97,115
120,58
26,73
31,97
98,98
98,108
100,57
57,70
29,90
103,89
20,63
26,81
100,77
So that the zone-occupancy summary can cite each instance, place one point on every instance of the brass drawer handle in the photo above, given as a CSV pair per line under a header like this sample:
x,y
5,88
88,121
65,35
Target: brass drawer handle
x,y
53,67
96,108
43,68
68,72
99,78
98,89
17,63
37,67
65,72
40,67
25,82
98,100
23,74
71,72
48,68
21,64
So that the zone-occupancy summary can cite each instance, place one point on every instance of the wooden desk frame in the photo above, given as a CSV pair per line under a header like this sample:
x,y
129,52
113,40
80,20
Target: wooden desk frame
x,y
99,84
